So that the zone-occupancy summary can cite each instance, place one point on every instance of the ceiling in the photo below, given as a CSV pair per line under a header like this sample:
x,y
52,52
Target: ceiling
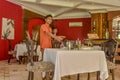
x,y
69,8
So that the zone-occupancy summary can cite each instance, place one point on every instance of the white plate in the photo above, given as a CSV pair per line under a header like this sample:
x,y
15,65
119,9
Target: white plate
x,y
86,48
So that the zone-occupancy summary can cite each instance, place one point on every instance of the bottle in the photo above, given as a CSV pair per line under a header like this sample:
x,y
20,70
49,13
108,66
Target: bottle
x,y
79,43
107,34
118,35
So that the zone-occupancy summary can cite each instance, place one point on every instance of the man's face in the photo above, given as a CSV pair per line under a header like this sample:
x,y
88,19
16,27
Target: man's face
x,y
48,20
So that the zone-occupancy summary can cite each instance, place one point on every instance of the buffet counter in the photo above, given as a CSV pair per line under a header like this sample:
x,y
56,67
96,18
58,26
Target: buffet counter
x,y
95,41
99,41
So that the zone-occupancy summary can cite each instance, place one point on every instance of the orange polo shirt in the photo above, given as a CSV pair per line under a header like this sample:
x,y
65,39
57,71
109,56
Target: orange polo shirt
x,y
45,40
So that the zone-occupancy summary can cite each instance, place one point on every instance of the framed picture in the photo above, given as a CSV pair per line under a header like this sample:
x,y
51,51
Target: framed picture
x,y
7,28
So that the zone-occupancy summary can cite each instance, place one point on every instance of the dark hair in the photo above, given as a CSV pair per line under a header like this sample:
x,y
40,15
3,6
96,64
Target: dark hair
x,y
48,16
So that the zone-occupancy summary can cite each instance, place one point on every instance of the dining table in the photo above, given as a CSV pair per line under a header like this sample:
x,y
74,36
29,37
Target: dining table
x,y
21,48
70,62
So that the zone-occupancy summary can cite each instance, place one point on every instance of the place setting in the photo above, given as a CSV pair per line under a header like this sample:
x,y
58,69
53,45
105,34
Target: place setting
x,y
77,45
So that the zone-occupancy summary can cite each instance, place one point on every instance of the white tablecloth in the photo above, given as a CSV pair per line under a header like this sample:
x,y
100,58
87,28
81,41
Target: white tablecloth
x,y
21,48
68,62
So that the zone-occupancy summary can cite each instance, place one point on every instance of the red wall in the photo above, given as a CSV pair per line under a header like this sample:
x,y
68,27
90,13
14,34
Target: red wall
x,y
33,22
12,11
73,33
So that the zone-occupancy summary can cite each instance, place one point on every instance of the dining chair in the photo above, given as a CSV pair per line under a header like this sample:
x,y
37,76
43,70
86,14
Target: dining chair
x,y
23,58
88,76
40,66
11,52
109,47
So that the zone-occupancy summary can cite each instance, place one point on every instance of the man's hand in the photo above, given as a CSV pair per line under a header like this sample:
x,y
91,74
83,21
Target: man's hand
x,y
59,38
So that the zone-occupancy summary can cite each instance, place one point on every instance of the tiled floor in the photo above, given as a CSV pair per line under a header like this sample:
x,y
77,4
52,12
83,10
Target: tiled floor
x,y
15,71
12,71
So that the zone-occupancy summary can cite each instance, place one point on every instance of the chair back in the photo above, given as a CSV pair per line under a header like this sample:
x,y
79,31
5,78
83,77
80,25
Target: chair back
x,y
109,47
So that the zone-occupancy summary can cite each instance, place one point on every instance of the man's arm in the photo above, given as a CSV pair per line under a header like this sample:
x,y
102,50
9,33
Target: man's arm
x,y
58,38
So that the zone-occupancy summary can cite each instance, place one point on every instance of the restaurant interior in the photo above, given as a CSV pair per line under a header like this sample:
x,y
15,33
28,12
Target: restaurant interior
x,y
89,51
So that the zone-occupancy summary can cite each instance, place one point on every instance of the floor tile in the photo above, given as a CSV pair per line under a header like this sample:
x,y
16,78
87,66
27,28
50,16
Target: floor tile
x,y
16,71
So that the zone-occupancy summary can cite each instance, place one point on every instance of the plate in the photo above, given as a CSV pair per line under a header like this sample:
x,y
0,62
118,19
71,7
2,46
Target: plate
x,y
86,48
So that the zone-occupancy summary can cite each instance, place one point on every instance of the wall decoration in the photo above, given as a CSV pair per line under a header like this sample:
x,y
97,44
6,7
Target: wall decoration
x,y
116,28
7,28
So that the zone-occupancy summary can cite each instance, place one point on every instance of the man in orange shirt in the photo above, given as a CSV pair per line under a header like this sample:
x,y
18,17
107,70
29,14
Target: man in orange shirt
x,y
46,34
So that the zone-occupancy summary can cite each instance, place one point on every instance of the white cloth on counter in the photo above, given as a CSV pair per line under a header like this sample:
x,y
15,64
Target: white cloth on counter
x,y
91,48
